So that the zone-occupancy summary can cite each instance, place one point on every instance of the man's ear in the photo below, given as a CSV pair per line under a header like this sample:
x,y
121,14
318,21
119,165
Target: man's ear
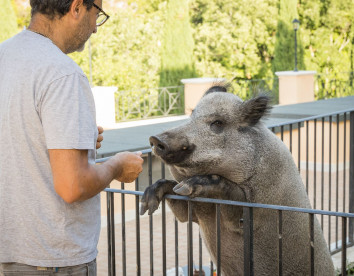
x,y
76,8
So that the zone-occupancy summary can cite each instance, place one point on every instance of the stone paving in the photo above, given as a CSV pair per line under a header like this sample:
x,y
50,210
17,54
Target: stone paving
x,y
130,242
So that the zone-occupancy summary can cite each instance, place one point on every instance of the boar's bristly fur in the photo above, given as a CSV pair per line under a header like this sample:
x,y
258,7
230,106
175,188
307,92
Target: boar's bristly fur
x,y
224,151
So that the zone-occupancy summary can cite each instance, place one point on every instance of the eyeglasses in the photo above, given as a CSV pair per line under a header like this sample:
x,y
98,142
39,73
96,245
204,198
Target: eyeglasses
x,y
102,17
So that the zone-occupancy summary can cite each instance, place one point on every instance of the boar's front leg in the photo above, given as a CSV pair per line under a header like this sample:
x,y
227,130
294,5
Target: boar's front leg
x,y
153,195
212,186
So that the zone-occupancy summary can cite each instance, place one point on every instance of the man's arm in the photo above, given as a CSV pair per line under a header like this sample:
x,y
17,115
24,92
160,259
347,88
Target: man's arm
x,y
76,180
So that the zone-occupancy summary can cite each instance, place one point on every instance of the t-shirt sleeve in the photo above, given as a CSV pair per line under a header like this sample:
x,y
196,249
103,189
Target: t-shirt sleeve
x,y
67,112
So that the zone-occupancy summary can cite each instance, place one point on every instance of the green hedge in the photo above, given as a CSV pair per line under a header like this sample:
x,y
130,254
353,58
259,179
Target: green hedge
x,y
8,20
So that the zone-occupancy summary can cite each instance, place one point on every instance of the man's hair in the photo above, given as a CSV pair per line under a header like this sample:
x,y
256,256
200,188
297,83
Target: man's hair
x,y
54,8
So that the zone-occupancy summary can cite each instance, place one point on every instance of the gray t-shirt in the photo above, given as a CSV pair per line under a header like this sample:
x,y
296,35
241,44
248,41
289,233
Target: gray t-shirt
x,y
45,103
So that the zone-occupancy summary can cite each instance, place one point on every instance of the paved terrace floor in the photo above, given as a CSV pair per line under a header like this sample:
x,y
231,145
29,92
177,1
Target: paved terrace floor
x,y
134,136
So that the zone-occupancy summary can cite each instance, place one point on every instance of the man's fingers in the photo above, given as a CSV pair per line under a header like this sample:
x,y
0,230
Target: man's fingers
x,y
100,138
100,129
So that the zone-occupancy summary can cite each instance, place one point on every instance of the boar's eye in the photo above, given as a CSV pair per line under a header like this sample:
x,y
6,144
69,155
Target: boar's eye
x,y
217,126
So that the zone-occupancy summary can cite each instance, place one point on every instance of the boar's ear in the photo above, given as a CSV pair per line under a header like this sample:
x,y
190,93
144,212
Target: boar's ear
x,y
218,87
253,110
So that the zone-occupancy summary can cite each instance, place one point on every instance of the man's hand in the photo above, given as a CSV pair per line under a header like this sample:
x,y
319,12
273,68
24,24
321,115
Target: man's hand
x,y
130,166
99,137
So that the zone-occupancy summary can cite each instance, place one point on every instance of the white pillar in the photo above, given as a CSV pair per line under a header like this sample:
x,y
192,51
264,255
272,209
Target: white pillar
x,y
296,87
194,89
105,105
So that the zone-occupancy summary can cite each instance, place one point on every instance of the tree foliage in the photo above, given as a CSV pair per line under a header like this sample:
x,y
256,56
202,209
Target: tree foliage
x,y
232,39
125,51
177,45
284,52
8,21
329,32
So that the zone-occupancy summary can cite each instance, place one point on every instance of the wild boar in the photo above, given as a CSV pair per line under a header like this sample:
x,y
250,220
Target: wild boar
x,y
225,151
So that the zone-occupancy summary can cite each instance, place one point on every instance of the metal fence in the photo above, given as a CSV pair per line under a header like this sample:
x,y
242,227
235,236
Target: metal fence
x,y
323,149
149,103
328,86
167,101
249,88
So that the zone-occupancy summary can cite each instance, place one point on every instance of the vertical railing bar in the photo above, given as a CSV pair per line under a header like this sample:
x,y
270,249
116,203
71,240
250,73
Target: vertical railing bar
x,y
109,236
307,157
314,163
200,255
190,239
163,170
176,246
322,173
299,146
282,133
351,175
337,179
137,227
330,178
164,251
248,240
218,241
124,255
150,167
291,138
280,242
312,245
211,268
113,246
344,246
344,160
151,227
113,239
164,266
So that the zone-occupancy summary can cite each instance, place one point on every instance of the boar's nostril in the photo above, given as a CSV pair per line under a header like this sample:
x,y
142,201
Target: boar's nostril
x,y
158,144
160,147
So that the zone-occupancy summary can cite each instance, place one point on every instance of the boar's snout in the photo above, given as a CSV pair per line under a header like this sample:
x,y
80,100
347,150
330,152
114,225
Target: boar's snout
x,y
158,145
171,150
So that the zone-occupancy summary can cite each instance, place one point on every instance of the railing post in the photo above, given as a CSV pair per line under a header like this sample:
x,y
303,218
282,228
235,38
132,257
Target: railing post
x,y
248,241
111,235
351,176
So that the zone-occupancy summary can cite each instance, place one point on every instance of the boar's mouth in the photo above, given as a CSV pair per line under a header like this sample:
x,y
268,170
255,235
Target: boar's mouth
x,y
171,153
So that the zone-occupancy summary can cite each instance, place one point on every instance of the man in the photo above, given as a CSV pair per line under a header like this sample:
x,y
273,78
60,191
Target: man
x,y
49,182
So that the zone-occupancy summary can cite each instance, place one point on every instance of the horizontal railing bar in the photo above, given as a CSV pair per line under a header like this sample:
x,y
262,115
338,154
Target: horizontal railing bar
x,y
311,118
240,203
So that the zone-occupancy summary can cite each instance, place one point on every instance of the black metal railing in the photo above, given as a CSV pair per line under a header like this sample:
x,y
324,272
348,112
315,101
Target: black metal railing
x,y
247,226
323,149
149,103
333,86
249,88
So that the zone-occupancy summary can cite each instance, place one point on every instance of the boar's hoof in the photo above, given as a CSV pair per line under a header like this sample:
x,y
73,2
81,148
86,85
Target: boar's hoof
x,y
183,189
153,195
199,186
